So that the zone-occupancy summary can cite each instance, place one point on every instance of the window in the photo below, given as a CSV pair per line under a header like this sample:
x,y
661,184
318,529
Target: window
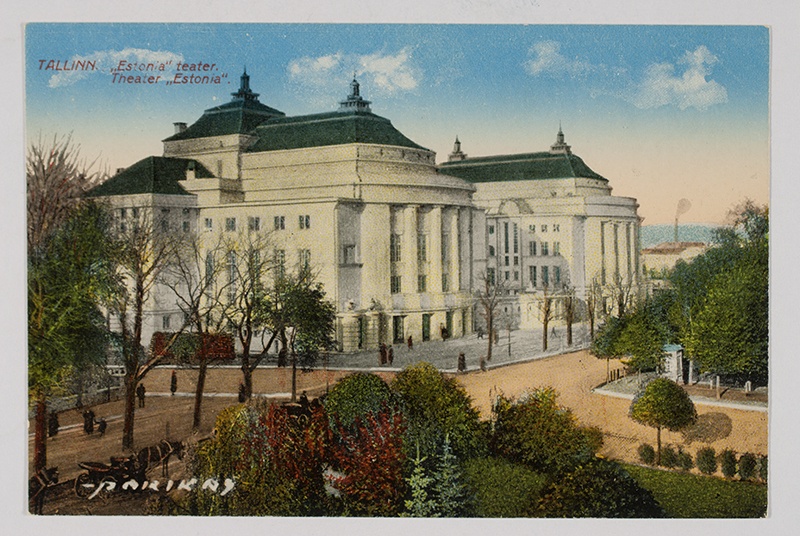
x,y
422,283
232,275
209,224
506,260
491,251
122,213
123,227
532,248
490,275
556,227
305,221
505,237
556,248
165,322
280,262
491,229
445,283
557,275
230,224
280,223
544,228
516,275
396,284
164,225
394,248
516,238
545,248
135,212
516,260
349,254
422,248
209,270
545,275
507,275
305,258
253,223
533,276
185,226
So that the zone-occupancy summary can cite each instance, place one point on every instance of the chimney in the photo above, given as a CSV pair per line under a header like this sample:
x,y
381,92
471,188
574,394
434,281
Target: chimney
x,y
119,170
179,127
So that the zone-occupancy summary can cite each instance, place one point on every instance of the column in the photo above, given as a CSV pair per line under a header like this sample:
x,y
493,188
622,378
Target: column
x,y
455,250
408,249
435,253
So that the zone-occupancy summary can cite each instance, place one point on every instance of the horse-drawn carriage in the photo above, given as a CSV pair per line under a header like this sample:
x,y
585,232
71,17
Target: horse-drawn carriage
x,y
124,469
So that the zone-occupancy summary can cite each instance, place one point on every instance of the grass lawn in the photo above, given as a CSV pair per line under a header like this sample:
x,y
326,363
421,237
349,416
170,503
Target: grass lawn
x,y
686,495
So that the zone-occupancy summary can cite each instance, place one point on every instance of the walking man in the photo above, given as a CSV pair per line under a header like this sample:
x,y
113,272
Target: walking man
x,y
140,392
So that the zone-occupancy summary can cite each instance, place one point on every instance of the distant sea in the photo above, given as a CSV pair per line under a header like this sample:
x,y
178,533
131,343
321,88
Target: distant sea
x,y
652,235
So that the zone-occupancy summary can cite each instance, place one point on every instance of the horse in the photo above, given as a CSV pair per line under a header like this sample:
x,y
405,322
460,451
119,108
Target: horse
x,y
160,453
38,484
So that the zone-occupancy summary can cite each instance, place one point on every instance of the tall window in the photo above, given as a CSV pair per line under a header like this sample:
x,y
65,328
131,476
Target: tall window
x,y
253,223
165,322
490,275
209,271
505,237
557,275
545,248
230,224
491,251
305,258
556,248
280,223
280,262
532,248
232,275
445,283
395,284
545,276
422,283
394,248
305,221
186,227
349,254
533,276
516,238
491,229
422,248
209,224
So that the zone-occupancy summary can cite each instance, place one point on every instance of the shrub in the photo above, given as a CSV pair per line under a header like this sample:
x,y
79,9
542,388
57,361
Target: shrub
x,y
762,468
727,463
536,431
356,395
598,488
669,457
747,466
502,488
685,461
647,454
707,461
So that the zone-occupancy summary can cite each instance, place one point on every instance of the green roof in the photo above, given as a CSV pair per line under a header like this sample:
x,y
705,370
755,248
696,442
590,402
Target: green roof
x,y
240,116
153,175
332,128
519,167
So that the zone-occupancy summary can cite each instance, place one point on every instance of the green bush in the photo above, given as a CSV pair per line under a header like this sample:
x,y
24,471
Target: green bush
x,y
707,460
356,395
598,488
747,466
685,461
669,457
762,468
503,489
647,454
727,463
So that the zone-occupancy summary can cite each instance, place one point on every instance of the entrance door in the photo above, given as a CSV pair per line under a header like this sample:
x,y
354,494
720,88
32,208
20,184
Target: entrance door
x,y
398,335
426,327
449,324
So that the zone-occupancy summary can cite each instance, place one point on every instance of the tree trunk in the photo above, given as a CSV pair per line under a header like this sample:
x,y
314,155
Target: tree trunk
x,y
658,445
198,394
294,377
130,408
569,333
40,434
490,327
545,324
247,374
608,369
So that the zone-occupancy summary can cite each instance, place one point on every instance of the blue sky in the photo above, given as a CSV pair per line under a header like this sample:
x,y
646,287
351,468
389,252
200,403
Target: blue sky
x,y
664,112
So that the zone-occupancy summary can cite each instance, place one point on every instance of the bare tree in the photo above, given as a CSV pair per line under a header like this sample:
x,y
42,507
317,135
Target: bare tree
x,y
622,289
192,275
593,297
145,247
489,298
568,297
546,314
249,265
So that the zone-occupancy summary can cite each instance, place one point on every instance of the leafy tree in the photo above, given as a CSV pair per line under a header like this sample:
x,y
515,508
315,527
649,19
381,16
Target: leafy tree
x,y
421,504
663,404
606,345
598,488
707,461
355,396
539,433
436,407
502,488
642,339
727,463
747,466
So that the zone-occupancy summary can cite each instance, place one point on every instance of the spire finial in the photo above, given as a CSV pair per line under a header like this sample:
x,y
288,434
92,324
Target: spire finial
x,y
354,100
245,93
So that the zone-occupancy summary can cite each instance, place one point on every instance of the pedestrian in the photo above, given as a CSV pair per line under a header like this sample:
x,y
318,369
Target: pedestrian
x,y
410,342
304,400
242,393
390,356
483,364
52,424
101,426
140,392
173,383
383,354
462,362
88,421
479,331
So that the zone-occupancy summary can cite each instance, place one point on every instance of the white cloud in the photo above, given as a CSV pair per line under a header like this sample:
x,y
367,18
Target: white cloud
x,y
690,89
106,60
547,59
379,73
